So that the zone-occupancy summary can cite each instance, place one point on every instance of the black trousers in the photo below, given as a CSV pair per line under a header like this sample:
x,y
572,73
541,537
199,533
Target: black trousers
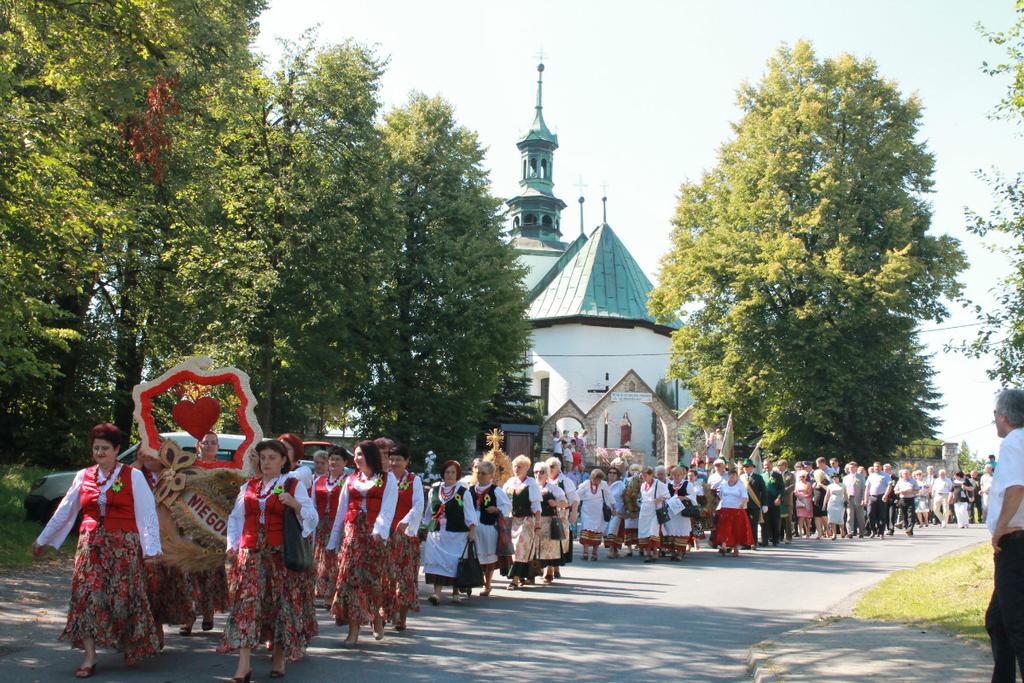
x,y
975,510
771,529
893,513
877,515
1004,619
906,506
754,515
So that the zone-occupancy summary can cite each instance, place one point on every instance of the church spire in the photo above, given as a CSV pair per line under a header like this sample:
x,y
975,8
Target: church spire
x,y
536,212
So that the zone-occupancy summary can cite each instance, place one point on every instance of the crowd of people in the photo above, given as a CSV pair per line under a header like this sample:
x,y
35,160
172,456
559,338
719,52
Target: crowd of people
x,y
372,523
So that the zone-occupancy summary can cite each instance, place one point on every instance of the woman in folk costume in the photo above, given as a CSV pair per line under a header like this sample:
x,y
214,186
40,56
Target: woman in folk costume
x,y
594,496
118,534
267,599
401,591
327,495
653,495
453,522
678,529
631,508
167,587
209,587
361,530
567,514
525,496
614,532
552,501
491,503
733,529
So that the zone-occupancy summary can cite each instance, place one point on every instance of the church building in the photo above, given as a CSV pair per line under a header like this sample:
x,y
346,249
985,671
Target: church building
x,y
597,354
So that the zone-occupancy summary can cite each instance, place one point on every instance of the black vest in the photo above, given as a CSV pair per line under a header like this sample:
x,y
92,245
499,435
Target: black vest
x,y
545,509
521,503
488,518
454,516
682,489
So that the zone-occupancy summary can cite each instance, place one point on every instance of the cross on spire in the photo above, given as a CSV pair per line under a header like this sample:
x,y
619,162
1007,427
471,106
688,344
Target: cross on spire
x,y
604,202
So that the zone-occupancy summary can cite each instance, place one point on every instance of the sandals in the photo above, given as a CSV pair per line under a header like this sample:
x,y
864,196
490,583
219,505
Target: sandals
x,y
207,625
185,630
245,678
485,592
85,671
276,674
433,600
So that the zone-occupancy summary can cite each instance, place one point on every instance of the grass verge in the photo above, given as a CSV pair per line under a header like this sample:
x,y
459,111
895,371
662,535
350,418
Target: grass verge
x,y
19,533
951,593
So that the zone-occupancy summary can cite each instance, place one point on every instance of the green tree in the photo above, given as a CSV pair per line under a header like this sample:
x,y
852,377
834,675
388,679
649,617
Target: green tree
x,y
1002,330
801,264
453,313
511,403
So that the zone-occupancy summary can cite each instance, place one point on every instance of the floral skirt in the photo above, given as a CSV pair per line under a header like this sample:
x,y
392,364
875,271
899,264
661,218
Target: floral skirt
x,y
170,595
325,561
404,565
550,548
629,532
209,590
359,590
268,603
733,528
524,541
108,596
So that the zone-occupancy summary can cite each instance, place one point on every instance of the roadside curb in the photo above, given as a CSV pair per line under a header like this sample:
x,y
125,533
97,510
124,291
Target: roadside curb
x,y
761,666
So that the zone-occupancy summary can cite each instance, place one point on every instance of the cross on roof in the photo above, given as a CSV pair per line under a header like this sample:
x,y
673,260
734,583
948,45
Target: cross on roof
x,y
540,55
580,185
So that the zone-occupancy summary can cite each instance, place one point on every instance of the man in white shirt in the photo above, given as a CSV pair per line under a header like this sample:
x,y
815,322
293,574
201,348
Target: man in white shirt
x,y
985,488
874,490
1004,619
941,489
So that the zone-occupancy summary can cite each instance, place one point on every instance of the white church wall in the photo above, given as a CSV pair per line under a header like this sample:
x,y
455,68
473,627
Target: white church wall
x,y
539,265
581,361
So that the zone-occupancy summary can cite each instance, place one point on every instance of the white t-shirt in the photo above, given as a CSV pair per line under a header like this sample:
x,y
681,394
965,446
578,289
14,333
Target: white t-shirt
x,y
714,480
732,496
986,482
1009,473
941,486
906,488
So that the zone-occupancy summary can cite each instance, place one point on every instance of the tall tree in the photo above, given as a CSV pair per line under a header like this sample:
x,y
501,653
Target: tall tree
x,y
802,263
1002,331
453,316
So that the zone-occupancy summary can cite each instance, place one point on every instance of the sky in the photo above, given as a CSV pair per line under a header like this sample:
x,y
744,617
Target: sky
x,y
642,94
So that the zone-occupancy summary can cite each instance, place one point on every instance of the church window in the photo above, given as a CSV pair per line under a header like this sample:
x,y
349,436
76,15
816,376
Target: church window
x,y
544,168
515,222
531,219
524,168
546,221
533,168
545,391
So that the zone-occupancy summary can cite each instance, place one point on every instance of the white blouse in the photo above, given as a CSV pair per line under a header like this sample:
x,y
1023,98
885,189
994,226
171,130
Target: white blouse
x,y
381,525
236,520
515,485
415,514
616,488
63,520
734,496
304,475
570,489
653,494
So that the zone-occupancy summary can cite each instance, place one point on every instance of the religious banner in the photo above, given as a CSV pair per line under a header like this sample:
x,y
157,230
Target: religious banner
x,y
193,503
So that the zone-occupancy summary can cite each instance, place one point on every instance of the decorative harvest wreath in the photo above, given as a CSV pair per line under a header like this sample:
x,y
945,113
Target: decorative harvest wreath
x,y
193,504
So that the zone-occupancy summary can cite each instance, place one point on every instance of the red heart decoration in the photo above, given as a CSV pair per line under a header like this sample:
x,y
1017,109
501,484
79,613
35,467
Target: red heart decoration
x,y
196,417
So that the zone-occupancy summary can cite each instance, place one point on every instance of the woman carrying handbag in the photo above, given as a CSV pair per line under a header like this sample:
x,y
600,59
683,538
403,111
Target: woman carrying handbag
x,y
595,501
653,514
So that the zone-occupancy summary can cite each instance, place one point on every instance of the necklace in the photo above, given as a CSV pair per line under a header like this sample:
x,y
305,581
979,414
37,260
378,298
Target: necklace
x,y
447,495
262,497
101,499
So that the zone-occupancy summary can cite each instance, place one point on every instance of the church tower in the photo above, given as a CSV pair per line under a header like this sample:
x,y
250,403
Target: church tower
x,y
536,213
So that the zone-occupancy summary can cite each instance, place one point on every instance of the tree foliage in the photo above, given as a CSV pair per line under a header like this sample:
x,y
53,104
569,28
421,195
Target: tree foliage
x,y
452,317
1002,331
802,263
164,193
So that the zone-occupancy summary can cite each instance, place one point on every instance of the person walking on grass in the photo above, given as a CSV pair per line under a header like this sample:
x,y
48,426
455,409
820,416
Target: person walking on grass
x,y
1004,619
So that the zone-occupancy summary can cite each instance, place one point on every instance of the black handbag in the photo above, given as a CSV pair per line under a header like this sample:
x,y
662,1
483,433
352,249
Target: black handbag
x,y
689,509
298,555
661,513
469,573
607,510
557,530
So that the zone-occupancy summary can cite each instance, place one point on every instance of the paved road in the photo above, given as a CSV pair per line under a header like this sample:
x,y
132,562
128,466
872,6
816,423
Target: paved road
x,y
608,620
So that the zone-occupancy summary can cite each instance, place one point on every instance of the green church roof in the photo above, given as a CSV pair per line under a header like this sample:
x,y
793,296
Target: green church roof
x,y
596,277
538,129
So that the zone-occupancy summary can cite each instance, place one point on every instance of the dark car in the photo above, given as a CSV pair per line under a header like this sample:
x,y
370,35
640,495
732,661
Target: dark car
x,y
46,493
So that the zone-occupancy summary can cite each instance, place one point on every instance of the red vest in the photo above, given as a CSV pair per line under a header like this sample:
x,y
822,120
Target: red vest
x,y
321,498
404,500
273,515
374,498
120,512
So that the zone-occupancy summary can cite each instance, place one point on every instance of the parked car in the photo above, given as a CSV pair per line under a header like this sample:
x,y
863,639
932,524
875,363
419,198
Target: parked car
x,y
47,492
